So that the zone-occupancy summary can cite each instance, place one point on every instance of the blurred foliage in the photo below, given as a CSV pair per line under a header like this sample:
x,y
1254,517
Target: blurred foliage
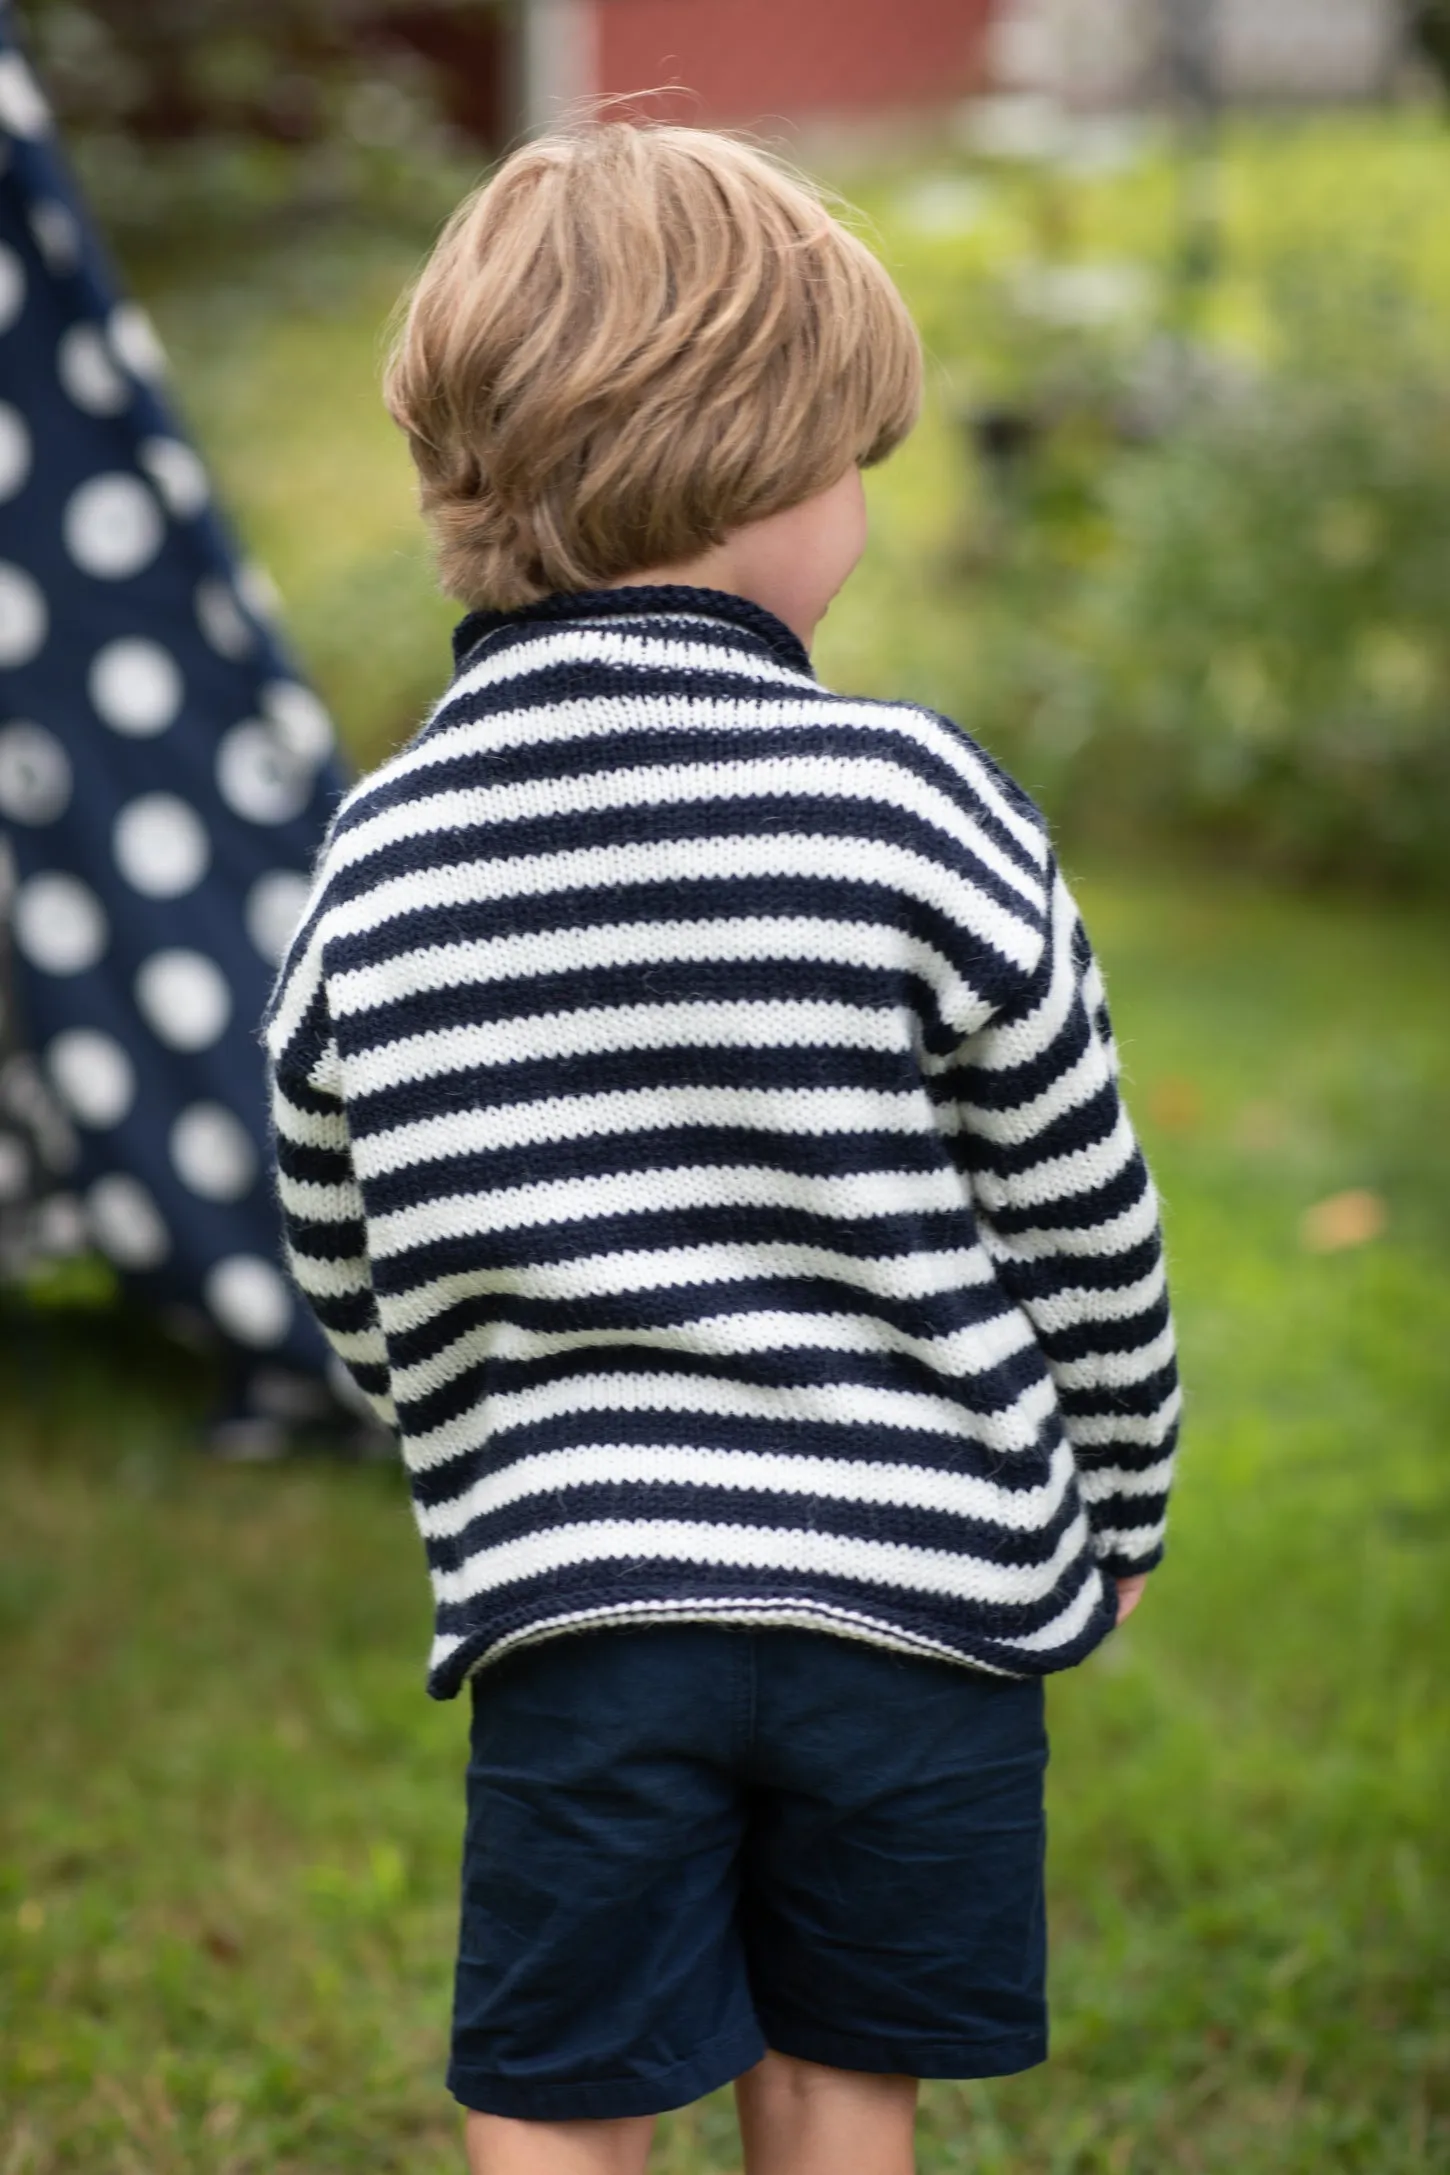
x,y
196,123
1430,23
1196,599
1195,585
1241,631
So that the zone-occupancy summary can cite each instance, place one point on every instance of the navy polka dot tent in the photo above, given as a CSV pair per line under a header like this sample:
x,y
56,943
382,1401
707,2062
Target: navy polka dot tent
x,y
165,778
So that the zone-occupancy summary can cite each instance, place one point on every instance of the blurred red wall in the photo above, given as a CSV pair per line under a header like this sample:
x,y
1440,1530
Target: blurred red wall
x,y
754,59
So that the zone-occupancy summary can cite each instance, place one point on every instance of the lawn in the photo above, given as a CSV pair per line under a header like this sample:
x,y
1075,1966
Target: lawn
x,y
228,1865
230,1823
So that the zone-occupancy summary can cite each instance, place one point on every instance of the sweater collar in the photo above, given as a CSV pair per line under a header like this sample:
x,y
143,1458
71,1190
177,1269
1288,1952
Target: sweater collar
x,y
663,601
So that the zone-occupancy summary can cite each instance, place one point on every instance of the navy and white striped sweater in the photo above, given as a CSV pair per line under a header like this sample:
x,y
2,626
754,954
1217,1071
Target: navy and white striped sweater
x,y
698,1133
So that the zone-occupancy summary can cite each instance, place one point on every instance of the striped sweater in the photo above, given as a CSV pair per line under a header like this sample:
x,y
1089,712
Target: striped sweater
x,y
698,1133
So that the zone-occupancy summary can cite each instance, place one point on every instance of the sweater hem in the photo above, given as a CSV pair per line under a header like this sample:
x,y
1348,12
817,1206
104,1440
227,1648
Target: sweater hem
x,y
475,1655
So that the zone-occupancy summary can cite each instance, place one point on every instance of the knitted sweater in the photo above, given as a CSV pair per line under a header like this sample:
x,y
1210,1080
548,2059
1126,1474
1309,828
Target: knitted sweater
x,y
698,1133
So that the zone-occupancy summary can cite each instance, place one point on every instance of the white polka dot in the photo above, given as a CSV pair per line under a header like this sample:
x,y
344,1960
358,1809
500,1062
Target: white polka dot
x,y
273,910
27,1095
135,340
177,473
258,776
35,773
23,1093
23,110
126,1222
258,591
303,725
220,619
135,686
14,1168
57,234
60,1225
24,620
60,924
92,1074
161,846
14,450
87,370
249,1299
184,998
213,1152
112,526
12,286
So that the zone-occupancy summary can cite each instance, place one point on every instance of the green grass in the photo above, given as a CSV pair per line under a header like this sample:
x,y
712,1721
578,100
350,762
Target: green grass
x,y
230,1818
229,1830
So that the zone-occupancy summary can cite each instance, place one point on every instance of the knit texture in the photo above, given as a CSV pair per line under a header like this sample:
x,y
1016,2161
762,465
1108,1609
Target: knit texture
x,y
698,1133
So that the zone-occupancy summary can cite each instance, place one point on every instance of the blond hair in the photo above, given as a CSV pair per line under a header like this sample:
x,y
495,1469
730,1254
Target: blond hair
x,y
629,342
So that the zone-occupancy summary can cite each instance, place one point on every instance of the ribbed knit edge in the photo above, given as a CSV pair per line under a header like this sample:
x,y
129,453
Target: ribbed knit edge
x,y
629,603
473,1656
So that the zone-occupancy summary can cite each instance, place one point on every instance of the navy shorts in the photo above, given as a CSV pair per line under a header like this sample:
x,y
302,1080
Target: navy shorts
x,y
689,1843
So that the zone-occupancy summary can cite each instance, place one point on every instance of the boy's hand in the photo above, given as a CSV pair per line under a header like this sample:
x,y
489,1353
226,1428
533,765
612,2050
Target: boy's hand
x,y
1130,1593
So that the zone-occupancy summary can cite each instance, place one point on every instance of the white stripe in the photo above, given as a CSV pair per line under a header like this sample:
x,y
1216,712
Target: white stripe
x,y
538,727
1114,1235
1115,1370
359,1347
1059,1177
1131,1541
962,1352
1079,1303
593,1029
880,786
1016,1428
308,1128
324,1277
309,1202
759,1548
1150,1430
487,1128
478,879
1066,1626
1020,1123
887,1276
756,939
661,1192
835,1480
1100,1482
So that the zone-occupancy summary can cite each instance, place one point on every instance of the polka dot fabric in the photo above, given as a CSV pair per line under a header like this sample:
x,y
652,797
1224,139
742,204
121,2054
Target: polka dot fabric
x,y
165,778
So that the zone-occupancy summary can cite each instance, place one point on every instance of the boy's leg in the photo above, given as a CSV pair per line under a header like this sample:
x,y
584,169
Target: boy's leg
x,y
499,2145
800,2118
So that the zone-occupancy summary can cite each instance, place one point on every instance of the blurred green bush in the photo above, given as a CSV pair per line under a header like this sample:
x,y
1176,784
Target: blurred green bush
x,y
1257,647
1197,581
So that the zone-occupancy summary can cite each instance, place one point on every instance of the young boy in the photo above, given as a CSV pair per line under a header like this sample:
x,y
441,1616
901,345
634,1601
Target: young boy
x,y
698,1134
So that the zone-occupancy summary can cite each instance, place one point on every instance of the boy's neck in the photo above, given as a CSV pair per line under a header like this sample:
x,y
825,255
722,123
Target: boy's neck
x,y
791,563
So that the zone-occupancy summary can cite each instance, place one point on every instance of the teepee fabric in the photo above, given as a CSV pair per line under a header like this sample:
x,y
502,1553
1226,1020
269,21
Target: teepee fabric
x,y
165,779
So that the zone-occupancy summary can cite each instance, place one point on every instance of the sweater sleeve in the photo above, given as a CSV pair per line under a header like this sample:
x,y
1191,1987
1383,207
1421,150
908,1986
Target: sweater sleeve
x,y
323,1228
1068,1213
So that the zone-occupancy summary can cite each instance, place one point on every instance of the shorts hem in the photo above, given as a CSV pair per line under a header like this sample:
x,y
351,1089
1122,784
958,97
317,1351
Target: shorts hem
x,y
544,2099
959,2060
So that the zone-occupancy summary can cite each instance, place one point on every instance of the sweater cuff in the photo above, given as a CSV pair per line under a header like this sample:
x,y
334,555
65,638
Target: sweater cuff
x,y
1120,1560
